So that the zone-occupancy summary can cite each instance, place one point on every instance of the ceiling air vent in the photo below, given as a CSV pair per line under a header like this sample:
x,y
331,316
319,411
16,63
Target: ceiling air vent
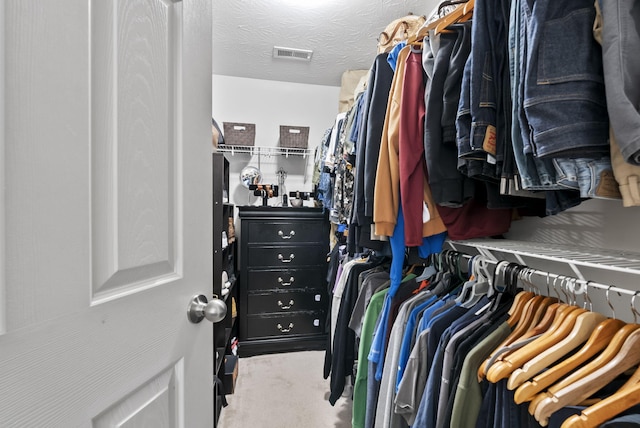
x,y
291,53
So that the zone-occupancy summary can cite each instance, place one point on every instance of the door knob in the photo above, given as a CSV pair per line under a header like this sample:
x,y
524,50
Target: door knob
x,y
199,308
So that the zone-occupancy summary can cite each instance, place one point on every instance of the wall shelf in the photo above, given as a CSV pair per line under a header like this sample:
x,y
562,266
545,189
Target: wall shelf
x,y
265,151
607,279
618,261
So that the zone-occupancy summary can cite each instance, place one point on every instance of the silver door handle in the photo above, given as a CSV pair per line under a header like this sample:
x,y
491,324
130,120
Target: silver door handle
x,y
283,260
199,308
282,305
289,236
285,284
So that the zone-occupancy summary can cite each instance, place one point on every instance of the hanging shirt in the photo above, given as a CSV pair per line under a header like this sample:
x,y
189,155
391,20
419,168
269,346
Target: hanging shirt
x,y
360,385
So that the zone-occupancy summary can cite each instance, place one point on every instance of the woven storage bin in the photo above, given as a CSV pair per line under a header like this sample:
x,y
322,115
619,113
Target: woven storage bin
x,y
295,137
239,134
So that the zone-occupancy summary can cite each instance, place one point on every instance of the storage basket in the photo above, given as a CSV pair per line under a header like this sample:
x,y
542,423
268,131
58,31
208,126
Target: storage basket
x,y
295,137
239,134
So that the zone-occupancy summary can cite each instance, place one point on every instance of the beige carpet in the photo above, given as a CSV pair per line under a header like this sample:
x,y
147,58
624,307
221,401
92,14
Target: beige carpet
x,y
284,391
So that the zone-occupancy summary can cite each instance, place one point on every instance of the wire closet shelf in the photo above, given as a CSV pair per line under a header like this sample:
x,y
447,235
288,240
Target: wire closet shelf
x,y
265,150
573,256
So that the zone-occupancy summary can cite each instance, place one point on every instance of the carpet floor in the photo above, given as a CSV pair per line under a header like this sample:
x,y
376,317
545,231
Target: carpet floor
x,y
284,391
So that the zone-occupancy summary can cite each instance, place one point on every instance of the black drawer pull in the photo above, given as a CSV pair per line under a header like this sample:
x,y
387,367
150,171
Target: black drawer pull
x,y
285,284
283,260
285,307
285,330
289,236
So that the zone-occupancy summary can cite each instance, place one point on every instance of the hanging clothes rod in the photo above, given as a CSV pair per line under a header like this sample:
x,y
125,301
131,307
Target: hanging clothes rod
x,y
580,285
573,256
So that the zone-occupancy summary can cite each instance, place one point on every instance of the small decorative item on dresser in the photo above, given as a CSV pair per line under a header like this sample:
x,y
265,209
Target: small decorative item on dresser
x,y
294,137
297,198
239,134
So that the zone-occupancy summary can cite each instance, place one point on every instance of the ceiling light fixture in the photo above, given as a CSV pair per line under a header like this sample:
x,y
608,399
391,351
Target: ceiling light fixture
x,y
292,53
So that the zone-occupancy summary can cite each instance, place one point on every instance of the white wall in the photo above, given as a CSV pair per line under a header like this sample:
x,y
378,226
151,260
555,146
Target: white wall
x,y
269,104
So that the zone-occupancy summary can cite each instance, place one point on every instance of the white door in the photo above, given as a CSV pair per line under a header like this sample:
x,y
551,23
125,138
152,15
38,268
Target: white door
x,y
105,213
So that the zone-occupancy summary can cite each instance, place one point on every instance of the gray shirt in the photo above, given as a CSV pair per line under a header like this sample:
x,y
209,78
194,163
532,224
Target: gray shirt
x,y
369,287
386,397
468,398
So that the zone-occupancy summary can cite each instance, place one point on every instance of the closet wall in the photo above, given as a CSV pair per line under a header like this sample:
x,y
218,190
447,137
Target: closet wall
x,y
595,223
270,104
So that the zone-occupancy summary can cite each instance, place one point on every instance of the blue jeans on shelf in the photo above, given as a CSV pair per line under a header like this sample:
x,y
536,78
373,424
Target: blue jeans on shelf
x,y
534,173
564,94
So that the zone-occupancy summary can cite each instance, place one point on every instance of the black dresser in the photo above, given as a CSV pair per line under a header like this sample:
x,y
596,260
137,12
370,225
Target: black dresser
x,y
283,289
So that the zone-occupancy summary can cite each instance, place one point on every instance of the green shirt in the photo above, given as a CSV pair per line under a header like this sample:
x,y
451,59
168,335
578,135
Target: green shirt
x,y
360,386
468,398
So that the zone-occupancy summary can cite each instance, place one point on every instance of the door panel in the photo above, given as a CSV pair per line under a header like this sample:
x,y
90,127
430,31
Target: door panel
x,y
136,195
155,404
106,213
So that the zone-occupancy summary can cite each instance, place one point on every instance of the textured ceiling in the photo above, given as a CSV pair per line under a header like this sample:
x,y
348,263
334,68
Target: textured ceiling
x,y
342,35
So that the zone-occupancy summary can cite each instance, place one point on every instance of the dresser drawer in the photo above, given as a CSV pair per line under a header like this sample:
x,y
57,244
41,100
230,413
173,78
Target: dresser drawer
x,y
285,279
291,324
288,301
289,232
283,256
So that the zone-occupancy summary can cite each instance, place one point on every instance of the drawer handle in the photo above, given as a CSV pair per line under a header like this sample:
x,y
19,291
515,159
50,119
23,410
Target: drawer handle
x,y
282,305
289,236
285,330
281,281
283,260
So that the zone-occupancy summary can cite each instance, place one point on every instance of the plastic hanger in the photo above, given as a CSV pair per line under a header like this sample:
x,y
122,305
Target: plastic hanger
x,y
600,337
508,287
427,273
520,300
478,290
454,263
584,325
466,290
626,358
477,286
